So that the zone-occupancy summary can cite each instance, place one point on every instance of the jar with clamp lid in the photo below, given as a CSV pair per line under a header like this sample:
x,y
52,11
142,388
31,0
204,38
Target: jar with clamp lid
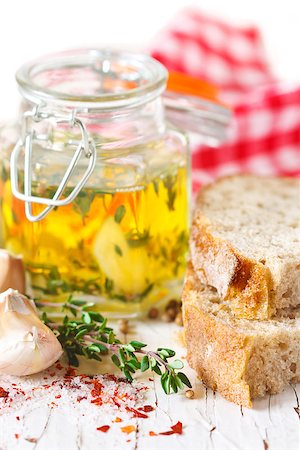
x,y
95,193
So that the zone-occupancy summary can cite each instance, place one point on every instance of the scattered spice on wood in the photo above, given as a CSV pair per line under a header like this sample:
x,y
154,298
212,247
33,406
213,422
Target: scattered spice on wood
x,y
3,393
104,428
175,429
97,401
71,372
116,403
128,429
136,413
146,408
152,433
118,419
32,440
97,391
52,405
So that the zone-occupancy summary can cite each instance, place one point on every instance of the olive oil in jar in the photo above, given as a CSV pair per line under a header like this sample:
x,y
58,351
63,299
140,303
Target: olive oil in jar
x,y
123,249
95,190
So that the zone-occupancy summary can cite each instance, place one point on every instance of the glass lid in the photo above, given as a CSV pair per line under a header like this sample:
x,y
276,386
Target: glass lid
x,y
108,80
93,76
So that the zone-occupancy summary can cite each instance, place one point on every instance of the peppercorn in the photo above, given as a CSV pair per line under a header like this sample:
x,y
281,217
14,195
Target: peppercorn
x,y
189,393
123,326
153,313
173,303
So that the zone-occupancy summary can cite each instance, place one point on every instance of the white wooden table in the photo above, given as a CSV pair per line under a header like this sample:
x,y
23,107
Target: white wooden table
x,y
209,421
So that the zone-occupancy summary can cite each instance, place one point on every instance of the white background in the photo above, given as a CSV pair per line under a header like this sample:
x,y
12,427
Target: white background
x,y
29,28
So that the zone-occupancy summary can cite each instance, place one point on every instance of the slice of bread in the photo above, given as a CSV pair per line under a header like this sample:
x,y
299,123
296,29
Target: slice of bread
x,y
239,358
245,242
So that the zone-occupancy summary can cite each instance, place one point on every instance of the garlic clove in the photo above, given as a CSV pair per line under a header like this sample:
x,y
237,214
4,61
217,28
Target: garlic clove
x,y
12,273
27,345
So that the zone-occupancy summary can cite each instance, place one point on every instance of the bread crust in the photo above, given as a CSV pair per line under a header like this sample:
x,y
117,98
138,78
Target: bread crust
x,y
222,369
245,282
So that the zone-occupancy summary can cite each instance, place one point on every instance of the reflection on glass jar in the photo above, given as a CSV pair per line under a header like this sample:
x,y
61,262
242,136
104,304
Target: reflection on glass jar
x,y
122,240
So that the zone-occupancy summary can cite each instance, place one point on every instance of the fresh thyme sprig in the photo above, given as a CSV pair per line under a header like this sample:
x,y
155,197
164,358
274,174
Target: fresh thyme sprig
x,y
86,333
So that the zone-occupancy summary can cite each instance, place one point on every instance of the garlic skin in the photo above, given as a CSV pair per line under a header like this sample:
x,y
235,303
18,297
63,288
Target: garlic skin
x,y
27,345
12,273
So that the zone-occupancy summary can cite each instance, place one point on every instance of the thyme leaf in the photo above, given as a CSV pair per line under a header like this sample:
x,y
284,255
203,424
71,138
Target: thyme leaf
x,y
120,213
137,239
170,185
118,250
82,203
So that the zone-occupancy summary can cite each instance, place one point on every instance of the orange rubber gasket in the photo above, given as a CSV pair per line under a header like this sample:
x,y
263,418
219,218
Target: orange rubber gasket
x,y
189,85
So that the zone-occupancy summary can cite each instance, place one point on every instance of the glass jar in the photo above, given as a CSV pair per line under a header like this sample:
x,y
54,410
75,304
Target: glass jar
x,y
99,194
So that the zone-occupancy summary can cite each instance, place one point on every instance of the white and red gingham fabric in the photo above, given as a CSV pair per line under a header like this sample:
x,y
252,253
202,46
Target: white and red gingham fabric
x,y
264,136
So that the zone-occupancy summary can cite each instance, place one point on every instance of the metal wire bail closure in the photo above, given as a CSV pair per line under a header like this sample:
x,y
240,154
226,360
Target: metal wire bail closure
x,y
86,145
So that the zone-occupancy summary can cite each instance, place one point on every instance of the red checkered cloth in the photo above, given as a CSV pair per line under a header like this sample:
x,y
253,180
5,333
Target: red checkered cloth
x,y
264,135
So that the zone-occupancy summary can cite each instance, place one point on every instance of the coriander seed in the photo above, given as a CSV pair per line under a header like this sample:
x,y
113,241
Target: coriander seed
x,y
153,313
189,393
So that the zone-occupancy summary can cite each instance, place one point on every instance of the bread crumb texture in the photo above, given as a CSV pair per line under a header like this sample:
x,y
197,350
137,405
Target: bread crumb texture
x,y
245,242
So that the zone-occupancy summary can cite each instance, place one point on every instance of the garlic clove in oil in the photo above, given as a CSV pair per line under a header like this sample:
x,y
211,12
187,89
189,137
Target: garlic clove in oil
x,y
27,345
12,273
127,267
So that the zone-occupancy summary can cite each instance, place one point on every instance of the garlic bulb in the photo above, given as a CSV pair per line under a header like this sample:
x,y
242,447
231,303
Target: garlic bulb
x,y
12,274
27,345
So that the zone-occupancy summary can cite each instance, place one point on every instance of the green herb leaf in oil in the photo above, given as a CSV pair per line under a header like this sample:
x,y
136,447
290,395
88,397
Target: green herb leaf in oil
x,y
137,239
118,250
170,185
82,203
120,213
